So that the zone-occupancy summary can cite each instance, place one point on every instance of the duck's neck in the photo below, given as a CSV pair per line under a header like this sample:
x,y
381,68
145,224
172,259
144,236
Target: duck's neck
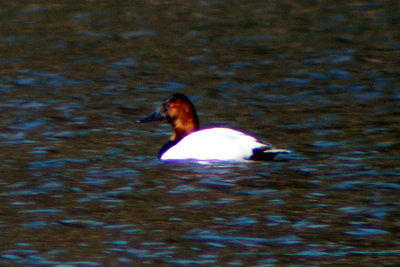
x,y
183,127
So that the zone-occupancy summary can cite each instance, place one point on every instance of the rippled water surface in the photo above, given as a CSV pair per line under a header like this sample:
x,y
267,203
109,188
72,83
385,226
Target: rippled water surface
x,y
80,183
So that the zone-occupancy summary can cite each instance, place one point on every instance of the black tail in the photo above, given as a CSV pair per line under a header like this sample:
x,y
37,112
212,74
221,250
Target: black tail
x,y
267,153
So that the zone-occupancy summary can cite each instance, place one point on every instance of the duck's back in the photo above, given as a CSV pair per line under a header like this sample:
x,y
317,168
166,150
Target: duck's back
x,y
215,144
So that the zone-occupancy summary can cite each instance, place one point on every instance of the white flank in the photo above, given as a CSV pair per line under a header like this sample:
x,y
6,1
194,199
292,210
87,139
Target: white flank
x,y
216,144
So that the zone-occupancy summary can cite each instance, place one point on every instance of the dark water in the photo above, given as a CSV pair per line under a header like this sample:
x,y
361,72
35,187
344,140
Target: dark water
x,y
79,180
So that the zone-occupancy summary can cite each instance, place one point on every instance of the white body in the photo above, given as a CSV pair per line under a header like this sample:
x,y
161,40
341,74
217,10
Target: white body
x,y
217,144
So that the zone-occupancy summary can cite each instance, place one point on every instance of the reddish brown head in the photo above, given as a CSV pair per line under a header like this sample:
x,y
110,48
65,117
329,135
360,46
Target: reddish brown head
x,y
179,112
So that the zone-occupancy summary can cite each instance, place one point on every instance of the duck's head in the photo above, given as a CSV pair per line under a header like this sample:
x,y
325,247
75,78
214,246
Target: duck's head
x,y
179,112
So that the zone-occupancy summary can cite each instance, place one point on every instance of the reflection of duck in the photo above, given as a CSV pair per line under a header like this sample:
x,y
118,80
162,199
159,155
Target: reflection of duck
x,y
188,142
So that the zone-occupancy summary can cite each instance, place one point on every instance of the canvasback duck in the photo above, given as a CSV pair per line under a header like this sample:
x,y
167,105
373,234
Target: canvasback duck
x,y
190,142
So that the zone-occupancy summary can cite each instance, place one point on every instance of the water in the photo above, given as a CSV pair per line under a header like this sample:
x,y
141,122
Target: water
x,y
80,183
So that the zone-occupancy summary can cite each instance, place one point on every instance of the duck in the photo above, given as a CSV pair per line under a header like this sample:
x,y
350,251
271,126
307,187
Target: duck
x,y
190,142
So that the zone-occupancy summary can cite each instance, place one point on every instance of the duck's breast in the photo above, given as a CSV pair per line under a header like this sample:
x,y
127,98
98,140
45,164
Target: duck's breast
x,y
214,144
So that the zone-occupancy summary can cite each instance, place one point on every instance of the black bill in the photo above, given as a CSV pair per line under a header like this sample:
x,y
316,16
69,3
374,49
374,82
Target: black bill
x,y
156,116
